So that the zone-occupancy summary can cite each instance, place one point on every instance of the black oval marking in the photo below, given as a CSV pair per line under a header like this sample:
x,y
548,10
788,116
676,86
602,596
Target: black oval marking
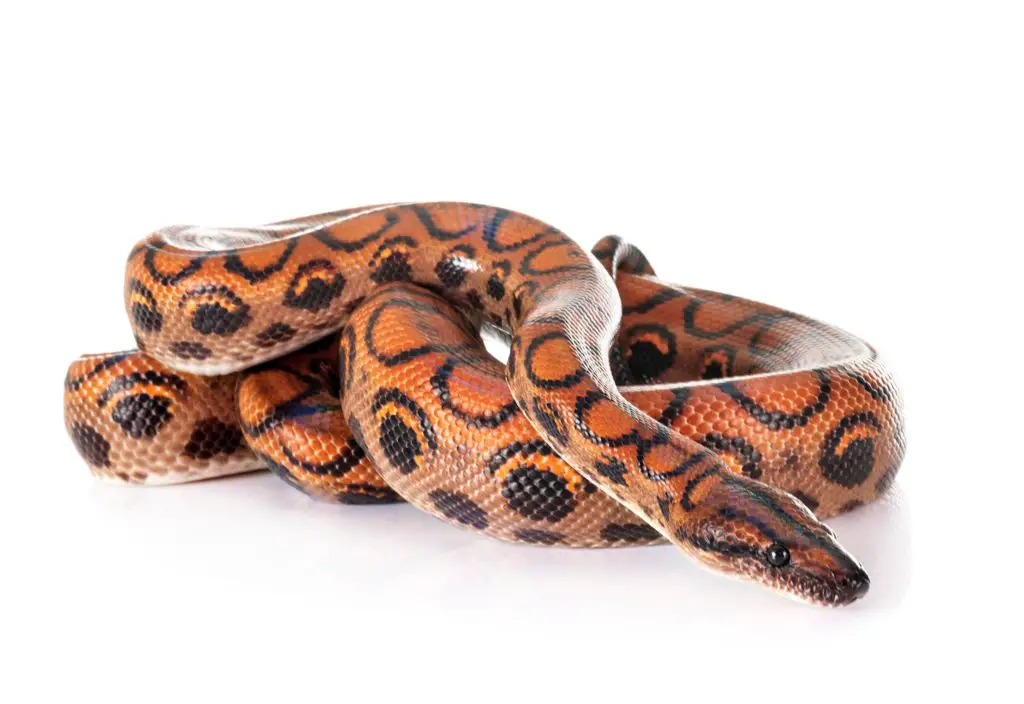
x,y
275,334
537,536
400,443
537,494
807,500
190,350
459,507
649,358
210,438
854,465
91,445
234,263
145,312
315,286
455,267
223,313
142,415
629,532
391,260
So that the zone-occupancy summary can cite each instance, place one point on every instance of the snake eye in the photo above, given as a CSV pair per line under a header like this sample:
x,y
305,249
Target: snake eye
x,y
777,555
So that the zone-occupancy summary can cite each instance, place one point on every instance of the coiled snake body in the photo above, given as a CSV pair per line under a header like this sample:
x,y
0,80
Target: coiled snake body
x,y
343,352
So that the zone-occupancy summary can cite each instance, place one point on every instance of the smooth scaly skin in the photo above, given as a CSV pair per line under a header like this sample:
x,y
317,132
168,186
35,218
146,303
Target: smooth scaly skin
x,y
562,318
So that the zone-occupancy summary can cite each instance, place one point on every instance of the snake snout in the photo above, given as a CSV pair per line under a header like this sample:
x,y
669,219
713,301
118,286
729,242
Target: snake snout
x,y
852,586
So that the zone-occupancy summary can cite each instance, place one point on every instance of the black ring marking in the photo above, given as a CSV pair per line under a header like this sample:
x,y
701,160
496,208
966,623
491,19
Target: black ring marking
x,y
234,264
395,266
194,265
663,296
490,234
685,501
549,419
105,364
526,265
777,420
386,396
406,355
149,377
583,404
436,232
321,283
748,455
351,455
645,359
854,466
334,244
566,382
645,446
439,382
214,318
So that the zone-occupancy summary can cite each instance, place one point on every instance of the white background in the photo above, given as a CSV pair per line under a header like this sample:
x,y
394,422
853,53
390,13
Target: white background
x,y
862,163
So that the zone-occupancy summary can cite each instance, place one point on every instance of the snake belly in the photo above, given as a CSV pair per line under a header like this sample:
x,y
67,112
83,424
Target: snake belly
x,y
759,409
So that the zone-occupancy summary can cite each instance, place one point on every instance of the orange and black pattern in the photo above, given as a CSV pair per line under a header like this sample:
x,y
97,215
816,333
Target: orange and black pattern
x,y
759,416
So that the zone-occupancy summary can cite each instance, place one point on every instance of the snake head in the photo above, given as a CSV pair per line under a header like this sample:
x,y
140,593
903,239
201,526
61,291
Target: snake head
x,y
757,532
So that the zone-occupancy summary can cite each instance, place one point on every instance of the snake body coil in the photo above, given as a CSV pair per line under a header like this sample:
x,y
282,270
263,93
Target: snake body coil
x,y
751,417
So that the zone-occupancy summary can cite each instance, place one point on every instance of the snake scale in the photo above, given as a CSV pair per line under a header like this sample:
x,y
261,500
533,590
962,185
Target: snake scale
x,y
343,351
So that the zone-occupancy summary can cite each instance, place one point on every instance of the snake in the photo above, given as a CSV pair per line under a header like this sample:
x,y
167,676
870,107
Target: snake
x,y
344,352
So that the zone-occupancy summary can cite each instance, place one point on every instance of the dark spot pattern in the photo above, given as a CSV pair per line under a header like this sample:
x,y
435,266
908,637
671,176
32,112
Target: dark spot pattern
x,y
537,494
613,469
367,495
275,334
391,260
629,532
854,464
400,443
459,507
452,270
807,500
220,311
144,308
315,286
142,415
92,446
651,351
211,437
538,536
191,350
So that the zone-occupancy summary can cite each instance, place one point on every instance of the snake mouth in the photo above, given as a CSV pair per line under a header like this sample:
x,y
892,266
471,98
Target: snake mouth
x,y
833,590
